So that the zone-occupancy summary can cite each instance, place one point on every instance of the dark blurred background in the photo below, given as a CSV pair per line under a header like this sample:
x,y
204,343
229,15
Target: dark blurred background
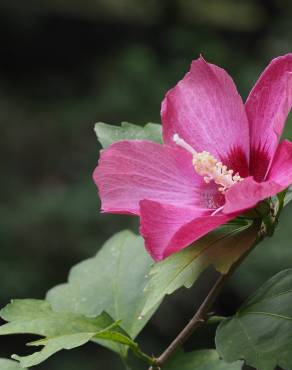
x,y
65,65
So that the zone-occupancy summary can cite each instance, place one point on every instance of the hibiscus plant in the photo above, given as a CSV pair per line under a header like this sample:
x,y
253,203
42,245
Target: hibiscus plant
x,y
207,185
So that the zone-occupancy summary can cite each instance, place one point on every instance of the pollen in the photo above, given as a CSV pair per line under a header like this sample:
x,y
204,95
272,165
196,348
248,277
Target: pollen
x,y
210,168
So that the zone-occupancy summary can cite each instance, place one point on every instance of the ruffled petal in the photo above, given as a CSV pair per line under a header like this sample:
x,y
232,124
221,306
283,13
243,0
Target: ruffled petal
x,y
281,168
206,111
168,229
267,108
129,171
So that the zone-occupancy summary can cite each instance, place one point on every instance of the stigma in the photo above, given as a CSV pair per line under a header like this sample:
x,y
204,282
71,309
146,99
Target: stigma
x,y
209,167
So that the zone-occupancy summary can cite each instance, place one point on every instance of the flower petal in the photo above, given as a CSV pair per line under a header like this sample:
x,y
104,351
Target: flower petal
x,y
248,193
130,171
267,108
207,112
281,168
168,229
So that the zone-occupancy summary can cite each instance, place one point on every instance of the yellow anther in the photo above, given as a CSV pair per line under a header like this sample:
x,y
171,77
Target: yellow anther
x,y
209,168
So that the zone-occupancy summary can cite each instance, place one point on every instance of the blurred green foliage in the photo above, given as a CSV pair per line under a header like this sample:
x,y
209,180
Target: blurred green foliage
x,y
65,65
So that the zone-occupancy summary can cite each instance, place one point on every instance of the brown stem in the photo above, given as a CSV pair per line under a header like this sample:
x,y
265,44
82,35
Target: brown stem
x,y
197,320
200,316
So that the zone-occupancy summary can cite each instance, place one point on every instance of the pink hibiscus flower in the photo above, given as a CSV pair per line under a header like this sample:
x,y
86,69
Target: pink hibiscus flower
x,y
219,157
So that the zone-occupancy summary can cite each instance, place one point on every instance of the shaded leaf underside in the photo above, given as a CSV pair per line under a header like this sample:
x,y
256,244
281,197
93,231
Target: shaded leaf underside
x,y
261,331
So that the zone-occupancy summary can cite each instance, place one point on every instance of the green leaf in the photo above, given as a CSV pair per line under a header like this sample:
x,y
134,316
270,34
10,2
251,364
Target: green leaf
x,y
113,281
207,359
51,346
221,248
108,134
62,330
9,365
261,331
37,317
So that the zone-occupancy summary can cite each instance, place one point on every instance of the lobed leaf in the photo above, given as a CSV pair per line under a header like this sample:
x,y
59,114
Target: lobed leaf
x,y
221,248
261,331
207,359
9,364
108,134
113,281
51,346
62,330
